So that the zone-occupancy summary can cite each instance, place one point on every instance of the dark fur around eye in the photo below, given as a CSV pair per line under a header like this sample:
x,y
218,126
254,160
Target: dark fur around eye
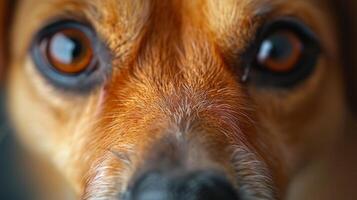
x,y
255,71
88,76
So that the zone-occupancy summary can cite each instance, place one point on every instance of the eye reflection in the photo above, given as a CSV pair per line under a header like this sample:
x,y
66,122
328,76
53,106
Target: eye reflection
x,y
280,51
69,51
69,55
284,54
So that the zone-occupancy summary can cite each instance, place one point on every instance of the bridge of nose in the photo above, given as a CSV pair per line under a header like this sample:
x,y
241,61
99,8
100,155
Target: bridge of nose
x,y
177,85
176,81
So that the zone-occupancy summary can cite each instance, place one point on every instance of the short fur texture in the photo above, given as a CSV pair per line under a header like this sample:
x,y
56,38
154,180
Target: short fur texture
x,y
173,92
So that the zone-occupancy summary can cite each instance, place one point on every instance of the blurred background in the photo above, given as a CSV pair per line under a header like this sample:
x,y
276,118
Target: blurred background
x,y
13,173
11,187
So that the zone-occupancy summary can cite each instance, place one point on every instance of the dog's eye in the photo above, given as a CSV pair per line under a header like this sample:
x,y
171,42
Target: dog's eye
x,y
69,51
69,54
286,54
280,51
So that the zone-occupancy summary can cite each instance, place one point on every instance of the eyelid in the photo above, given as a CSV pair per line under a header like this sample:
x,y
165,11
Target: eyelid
x,y
299,24
251,70
296,23
83,82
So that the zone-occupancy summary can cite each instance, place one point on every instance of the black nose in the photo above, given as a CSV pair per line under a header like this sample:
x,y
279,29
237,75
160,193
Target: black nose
x,y
182,186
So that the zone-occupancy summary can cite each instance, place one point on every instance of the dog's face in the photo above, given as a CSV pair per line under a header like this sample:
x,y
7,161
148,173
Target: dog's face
x,y
193,99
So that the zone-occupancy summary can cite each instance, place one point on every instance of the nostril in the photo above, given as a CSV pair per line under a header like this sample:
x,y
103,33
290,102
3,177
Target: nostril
x,y
206,186
150,186
187,186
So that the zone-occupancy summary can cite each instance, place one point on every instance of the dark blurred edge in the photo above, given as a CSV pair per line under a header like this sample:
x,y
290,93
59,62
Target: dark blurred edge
x,y
346,10
13,186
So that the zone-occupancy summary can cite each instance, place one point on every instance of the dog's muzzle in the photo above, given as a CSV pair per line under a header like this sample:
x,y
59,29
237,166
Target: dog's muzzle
x,y
198,185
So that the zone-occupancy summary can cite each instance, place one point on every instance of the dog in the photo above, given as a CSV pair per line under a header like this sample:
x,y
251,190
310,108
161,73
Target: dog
x,y
178,99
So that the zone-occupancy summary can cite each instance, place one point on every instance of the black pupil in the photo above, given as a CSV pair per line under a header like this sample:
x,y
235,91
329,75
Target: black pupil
x,y
65,48
277,47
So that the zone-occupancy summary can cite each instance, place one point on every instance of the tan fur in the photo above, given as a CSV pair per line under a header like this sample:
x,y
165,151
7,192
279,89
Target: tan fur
x,y
170,79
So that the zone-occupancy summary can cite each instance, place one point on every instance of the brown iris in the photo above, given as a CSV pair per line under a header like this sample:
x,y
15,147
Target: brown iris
x,y
69,51
280,51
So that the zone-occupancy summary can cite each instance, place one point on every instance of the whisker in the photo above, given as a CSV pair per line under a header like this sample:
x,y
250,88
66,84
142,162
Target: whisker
x,y
122,157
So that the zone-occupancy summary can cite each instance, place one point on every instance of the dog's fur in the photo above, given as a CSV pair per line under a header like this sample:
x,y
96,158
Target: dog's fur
x,y
170,79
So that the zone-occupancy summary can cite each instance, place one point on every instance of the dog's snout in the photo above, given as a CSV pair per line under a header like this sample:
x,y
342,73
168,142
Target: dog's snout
x,y
199,185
